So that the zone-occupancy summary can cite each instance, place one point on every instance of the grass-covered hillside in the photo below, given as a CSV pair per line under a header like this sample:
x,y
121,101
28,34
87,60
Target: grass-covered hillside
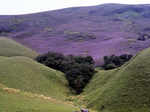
x,y
12,100
125,89
27,86
10,48
25,74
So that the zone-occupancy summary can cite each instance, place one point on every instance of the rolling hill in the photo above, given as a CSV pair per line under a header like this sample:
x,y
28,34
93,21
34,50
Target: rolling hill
x,y
27,86
125,89
11,48
27,75
96,30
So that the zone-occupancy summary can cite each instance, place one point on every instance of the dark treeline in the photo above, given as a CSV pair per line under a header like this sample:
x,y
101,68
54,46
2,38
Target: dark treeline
x,y
111,62
79,70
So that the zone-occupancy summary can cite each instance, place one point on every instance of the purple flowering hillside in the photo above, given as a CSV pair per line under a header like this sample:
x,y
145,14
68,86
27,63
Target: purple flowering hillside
x,y
96,30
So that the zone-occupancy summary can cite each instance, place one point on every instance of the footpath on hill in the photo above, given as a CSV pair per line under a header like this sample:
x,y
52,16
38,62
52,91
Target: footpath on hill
x,y
72,103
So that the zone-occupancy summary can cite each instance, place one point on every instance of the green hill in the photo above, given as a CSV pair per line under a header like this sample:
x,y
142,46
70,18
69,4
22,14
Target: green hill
x,y
12,100
25,74
10,48
125,89
37,87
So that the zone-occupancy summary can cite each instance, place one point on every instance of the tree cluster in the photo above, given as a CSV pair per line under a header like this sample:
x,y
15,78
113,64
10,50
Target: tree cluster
x,y
78,69
111,62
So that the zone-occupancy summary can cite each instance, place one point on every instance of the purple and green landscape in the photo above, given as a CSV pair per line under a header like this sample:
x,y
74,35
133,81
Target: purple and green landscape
x,y
79,59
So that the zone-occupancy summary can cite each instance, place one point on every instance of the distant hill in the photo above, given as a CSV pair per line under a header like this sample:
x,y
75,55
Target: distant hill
x,y
27,75
125,89
96,30
11,48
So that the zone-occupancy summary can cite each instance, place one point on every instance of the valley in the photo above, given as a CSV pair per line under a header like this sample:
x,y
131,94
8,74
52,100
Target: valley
x,y
96,58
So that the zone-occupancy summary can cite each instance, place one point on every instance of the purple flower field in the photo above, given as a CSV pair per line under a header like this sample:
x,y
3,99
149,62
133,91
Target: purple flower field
x,y
97,31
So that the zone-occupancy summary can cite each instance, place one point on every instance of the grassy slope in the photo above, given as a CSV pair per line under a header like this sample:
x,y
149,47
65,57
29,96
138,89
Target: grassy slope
x,y
25,74
19,102
10,48
122,90
35,81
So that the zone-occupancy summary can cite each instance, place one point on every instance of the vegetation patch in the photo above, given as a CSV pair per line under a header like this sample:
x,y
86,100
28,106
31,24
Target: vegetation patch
x,y
79,36
111,62
5,30
79,70
143,37
48,29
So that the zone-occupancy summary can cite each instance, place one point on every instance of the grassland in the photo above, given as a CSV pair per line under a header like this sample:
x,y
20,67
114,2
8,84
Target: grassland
x,y
11,101
25,74
10,48
38,88
27,86
125,89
